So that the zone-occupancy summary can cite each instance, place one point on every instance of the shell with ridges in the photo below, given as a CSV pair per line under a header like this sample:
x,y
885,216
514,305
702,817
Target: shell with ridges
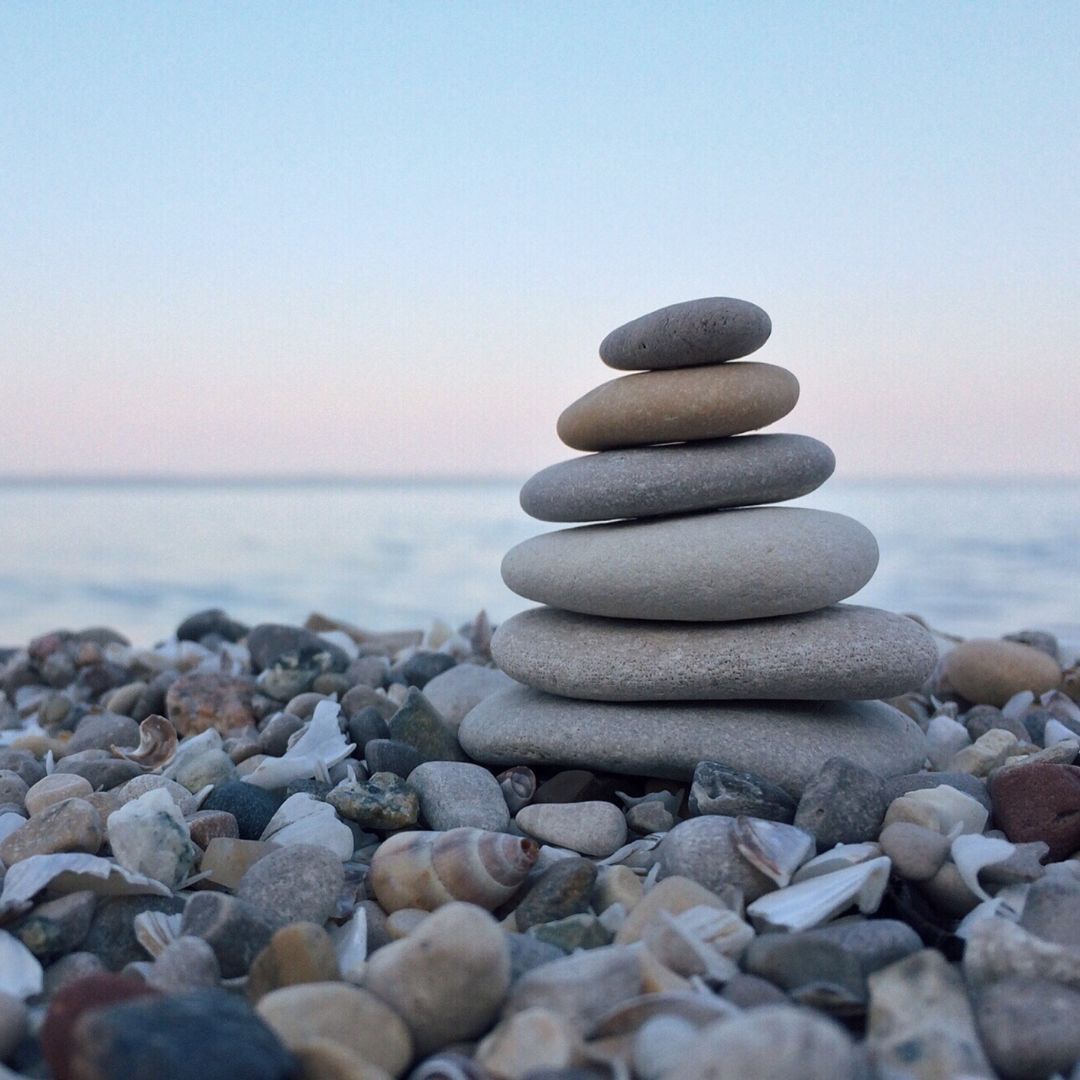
x,y
157,744
776,849
429,869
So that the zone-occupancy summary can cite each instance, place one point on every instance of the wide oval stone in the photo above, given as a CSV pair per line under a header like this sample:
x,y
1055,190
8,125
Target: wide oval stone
x,y
649,480
843,652
679,406
989,672
785,742
712,567
706,331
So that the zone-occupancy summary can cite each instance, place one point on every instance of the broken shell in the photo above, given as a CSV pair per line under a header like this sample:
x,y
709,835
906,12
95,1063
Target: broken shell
x,y
838,858
351,945
449,1066
638,855
971,853
813,902
155,931
777,850
701,940
303,819
20,972
157,744
313,751
518,787
428,869
1008,905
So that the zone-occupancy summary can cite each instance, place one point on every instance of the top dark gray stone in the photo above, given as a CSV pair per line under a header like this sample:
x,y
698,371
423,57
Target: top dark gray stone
x,y
706,331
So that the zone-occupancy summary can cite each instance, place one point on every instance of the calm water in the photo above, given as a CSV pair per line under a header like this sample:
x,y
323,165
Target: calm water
x,y
971,558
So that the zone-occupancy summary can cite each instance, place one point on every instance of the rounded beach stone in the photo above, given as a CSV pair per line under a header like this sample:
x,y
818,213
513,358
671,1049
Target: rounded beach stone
x,y
71,825
592,828
56,788
711,567
786,743
456,793
1039,802
706,331
678,406
649,480
839,653
989,672
298,883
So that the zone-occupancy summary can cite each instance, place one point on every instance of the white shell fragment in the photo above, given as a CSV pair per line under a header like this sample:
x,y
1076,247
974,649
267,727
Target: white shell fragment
x,y
777,850
303,819
155,931
838,858
972,853
350,944
71,872
312,752
813,902
1008,904
20,973
1056,732
702,940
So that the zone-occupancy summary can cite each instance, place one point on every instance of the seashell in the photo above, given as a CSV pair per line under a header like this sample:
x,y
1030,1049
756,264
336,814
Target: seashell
x,y
71,872
777,850
428,869
701,940
303,819
1056,732
518,786
837,858
813,902
155,931
972,852
447,1065
638,854
628,1016
312,752
20,972
1008,904
157,744
351,945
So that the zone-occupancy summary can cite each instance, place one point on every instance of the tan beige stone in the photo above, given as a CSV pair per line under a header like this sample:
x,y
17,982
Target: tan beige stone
x,y
56,788
71,825
228,860
673,895
324,1059
529,1041
298,953
989,672
679,406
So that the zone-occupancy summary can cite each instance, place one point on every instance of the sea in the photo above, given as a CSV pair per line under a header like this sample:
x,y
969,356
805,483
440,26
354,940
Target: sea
x,y
973,558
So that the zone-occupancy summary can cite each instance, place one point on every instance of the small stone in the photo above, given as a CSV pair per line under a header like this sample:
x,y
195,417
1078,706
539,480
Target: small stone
x,y
583,931
843,804
895,786
273,644
1052,910
101,769
987,672
456,691
421,727
13,790
112,933
1036,802
986,753
422,667
368,671
916,852
529,1040
980,719
945,738
366,725
23,764
564,888
207,825
203,700
149,836
188,963
616,885
201,1035
71,825
404,921
391,756
227,860
250,805
752,992
212,621
650,816
299,953
354,1018
102,731
203,770
235,930
457,793
53,789
58,926
672,896
448,979
718,789
592,828
383,802
704,850
324,1059
299,883
139,786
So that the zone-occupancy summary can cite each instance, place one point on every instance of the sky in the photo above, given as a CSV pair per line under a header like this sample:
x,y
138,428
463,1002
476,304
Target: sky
x,y
278,239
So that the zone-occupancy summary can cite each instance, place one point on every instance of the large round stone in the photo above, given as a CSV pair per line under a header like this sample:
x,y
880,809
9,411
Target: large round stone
x,y
679,406
838,653
785,742
650,480
706,331
712,567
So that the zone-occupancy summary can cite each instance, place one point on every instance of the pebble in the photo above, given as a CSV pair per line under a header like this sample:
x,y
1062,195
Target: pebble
x,y
391,756
845,652
895,786
1052,910
448,979
53,789
650,816
1035,802
945,738
528,952
226,859
720,566
1028,1027
980,719
671,896
616,885
353,1018
417,724
56,927
213,621
237,931
187,963
711,330
457,793
422,667
23,764
682,405
203,770
582,931
68,968
111,937
102,731
13,790
525,726
591,828
813,971
301,952
252,806
916,852
456,691
139,786
202,700
564,888
986,753
646,481
207,825
71,825
274,644
14,1024
527,1041
843,804
102,770
987,672
149,836
323,1059
201,1035
718,789
294,884
385,801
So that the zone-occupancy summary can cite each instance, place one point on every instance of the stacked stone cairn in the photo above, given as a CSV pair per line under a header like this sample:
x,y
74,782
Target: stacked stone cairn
x,y
695,621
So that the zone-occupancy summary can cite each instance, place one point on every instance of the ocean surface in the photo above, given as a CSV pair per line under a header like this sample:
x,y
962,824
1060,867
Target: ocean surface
x,y
972,558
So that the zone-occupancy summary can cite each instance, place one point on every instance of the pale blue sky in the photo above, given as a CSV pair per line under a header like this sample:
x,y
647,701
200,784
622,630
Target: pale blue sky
x,y
388,238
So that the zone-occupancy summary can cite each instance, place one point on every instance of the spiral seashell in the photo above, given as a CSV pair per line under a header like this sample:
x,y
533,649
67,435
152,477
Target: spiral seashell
x,y
428,869
157,744
518,786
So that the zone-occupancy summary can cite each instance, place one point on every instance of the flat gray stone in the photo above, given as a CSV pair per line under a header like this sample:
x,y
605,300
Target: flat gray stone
x,y
839,653
455,692
784,742
706,331
744,470
712,567
457,793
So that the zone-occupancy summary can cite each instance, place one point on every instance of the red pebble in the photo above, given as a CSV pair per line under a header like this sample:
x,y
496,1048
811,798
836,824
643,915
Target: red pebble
x,y
75,1000
1039,802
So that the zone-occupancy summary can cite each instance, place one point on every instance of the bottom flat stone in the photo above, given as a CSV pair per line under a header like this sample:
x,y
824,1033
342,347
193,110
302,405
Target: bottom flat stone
x,y
785,742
